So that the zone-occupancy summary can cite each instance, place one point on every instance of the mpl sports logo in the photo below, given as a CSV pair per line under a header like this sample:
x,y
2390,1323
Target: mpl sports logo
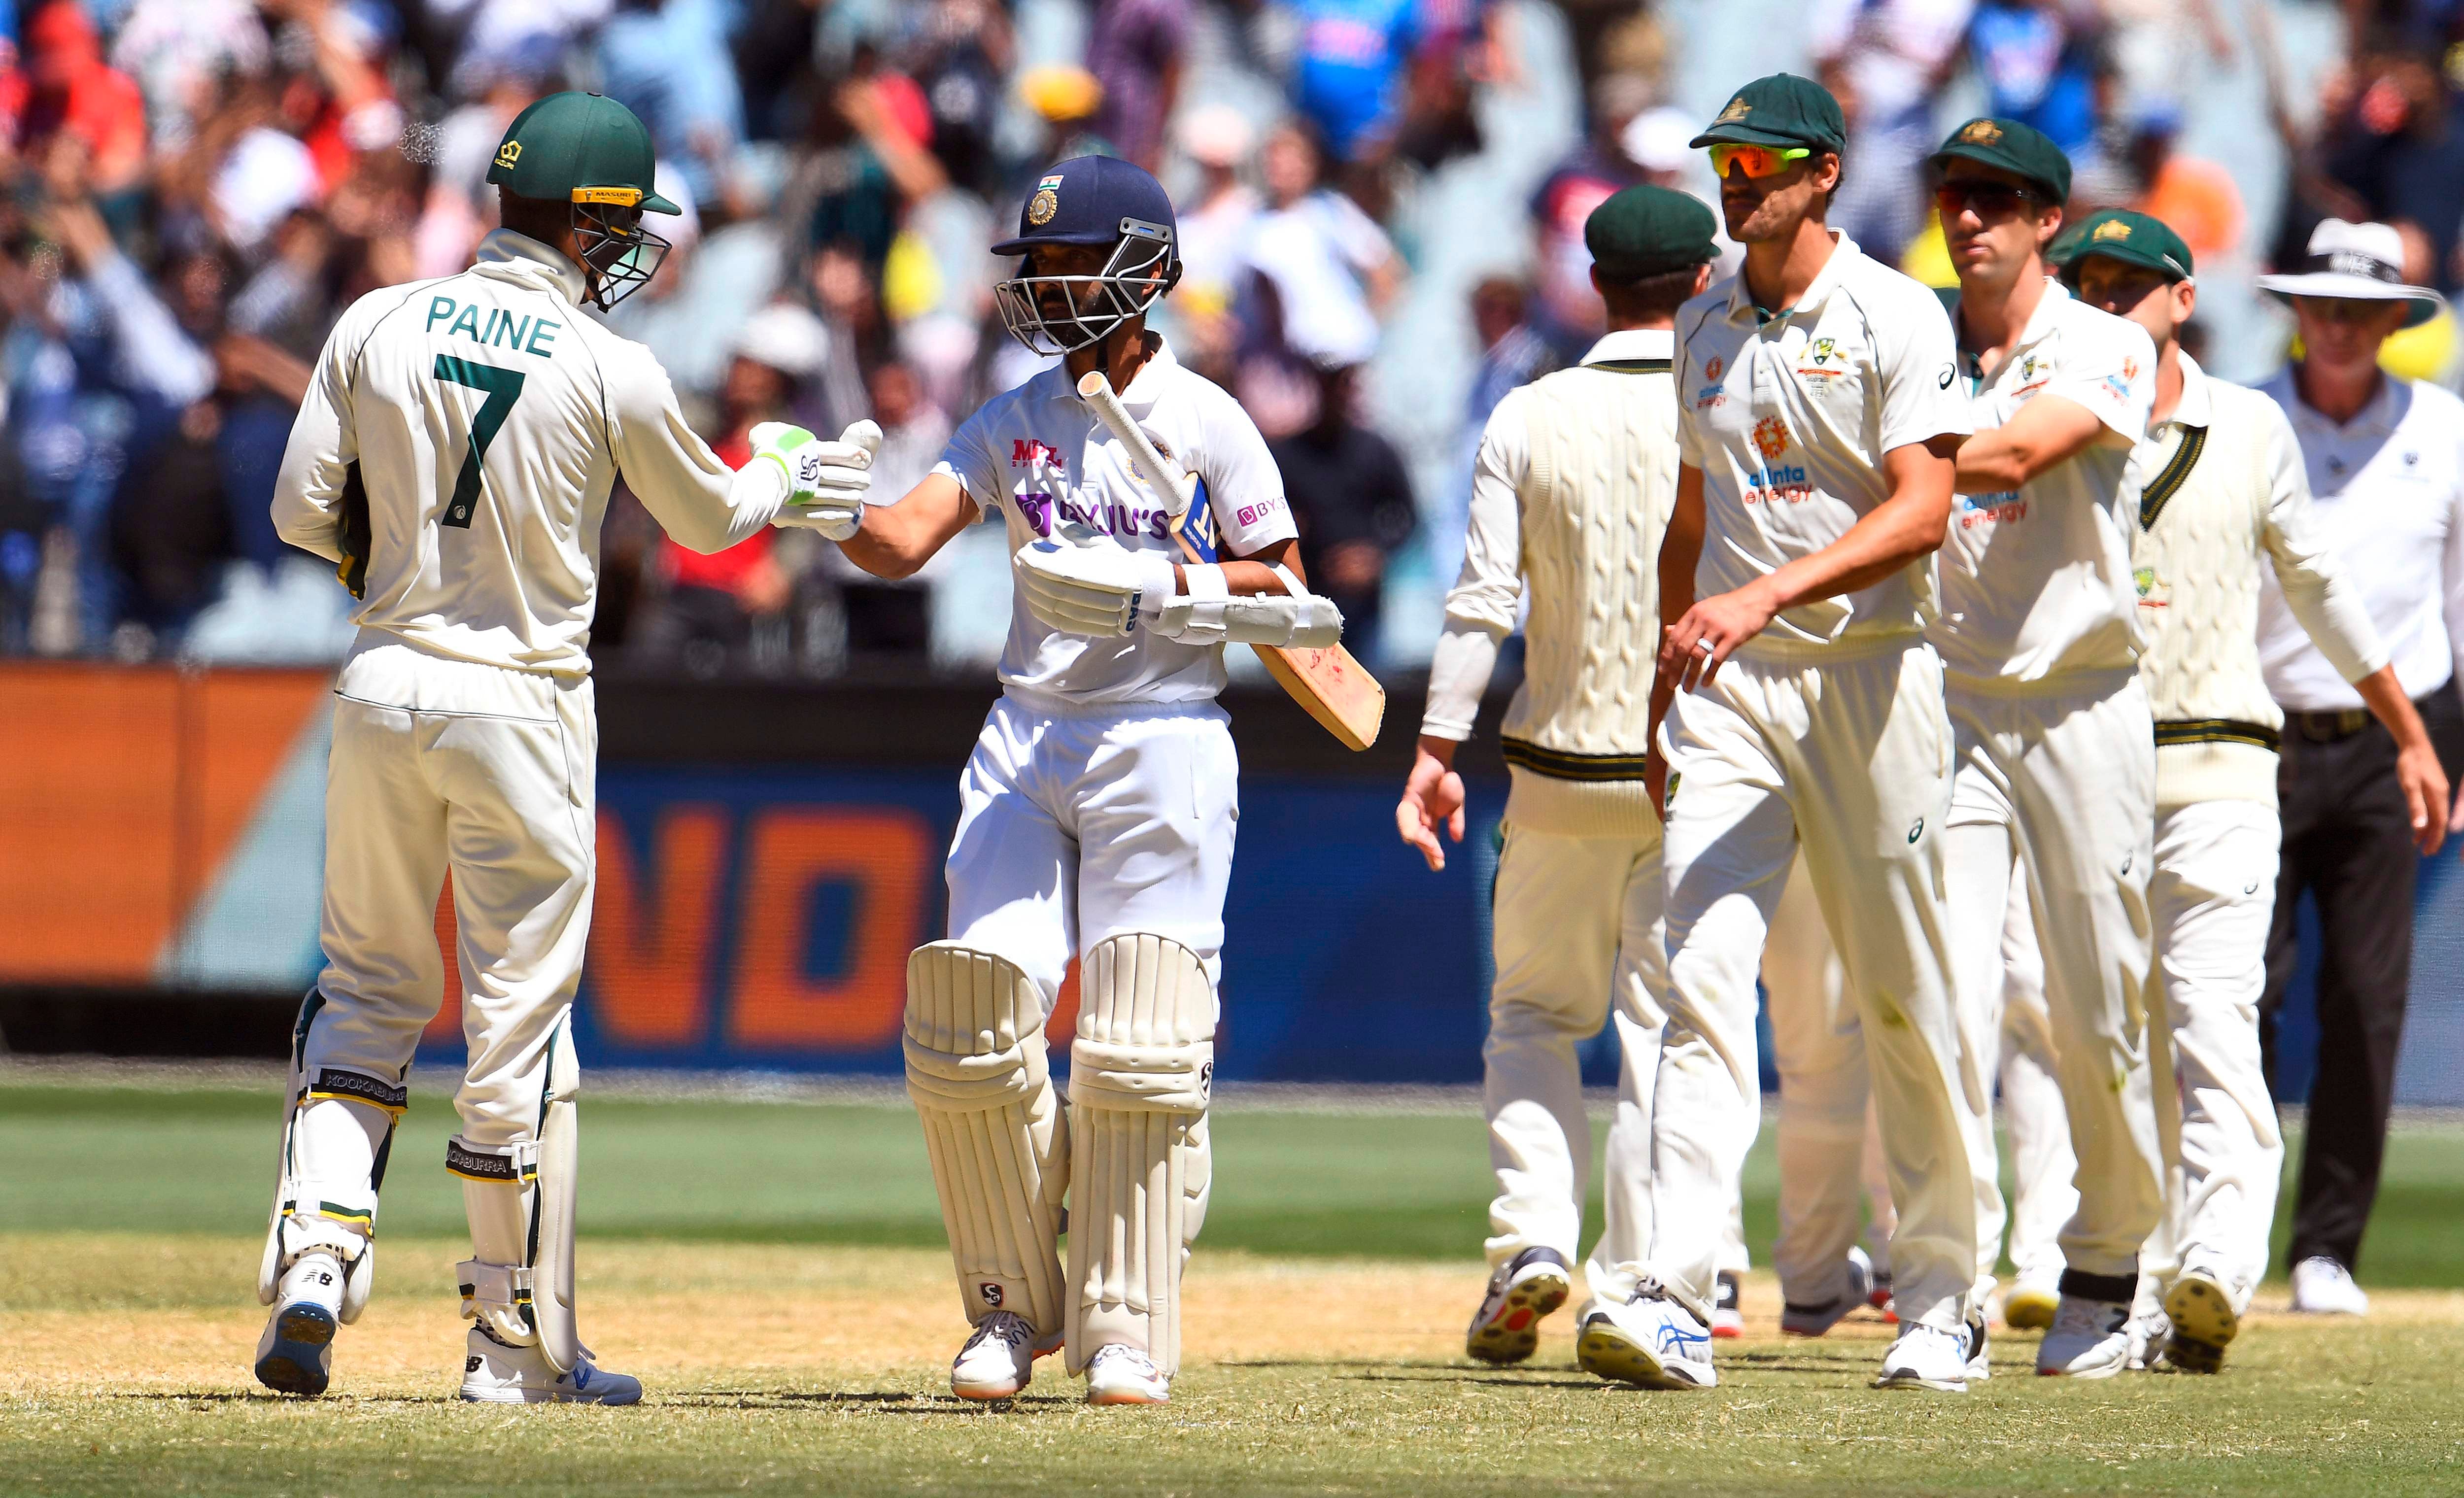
x,y
1031,452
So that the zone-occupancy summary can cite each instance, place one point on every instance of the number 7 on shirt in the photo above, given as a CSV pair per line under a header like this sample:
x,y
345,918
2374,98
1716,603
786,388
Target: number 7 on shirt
x,y
503,386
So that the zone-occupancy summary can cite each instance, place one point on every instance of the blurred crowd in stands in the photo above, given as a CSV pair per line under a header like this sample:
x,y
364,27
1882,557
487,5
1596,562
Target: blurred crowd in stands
x,y
192,191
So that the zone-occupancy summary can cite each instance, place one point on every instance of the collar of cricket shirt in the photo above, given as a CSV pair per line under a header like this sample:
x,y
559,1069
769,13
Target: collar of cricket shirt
x,y
2196,407
1741,301
1147,385
1635,347
520,257
2041,326
2377,419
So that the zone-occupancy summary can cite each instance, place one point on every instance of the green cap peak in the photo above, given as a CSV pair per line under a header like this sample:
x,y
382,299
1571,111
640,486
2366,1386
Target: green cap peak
x,y
578,147
2131,238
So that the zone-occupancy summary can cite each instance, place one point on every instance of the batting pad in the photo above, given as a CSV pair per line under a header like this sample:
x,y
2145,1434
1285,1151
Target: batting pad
x,y
1138,1076
337,1132
519,1199
977,1069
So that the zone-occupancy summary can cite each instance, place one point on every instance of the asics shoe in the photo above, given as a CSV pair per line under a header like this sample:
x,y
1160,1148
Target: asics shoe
x,y
498,1373
1650,1340
1927,1357
1728,1308
1119,1375
1507,1327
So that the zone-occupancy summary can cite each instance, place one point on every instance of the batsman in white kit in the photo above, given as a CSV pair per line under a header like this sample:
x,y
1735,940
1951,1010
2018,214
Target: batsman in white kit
x,y
453,456
1803,709
1097,812
2039,636
1572,490
2222,495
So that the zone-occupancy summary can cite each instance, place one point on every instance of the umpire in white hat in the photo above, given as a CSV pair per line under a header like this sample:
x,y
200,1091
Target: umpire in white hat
x,y
2386,462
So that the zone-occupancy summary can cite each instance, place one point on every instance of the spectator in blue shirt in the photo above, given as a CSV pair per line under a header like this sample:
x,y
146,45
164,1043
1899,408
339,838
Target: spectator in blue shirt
x,y
1349,80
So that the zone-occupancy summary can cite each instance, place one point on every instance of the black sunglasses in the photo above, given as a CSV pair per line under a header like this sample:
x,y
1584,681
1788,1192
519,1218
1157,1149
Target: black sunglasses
x,y
1990,200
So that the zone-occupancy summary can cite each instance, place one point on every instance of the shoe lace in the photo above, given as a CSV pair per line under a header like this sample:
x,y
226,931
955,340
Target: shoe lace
x,y
1003,1326
2079,1316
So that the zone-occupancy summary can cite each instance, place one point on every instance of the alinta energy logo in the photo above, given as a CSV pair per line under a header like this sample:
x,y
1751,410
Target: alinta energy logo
x,y
1770,437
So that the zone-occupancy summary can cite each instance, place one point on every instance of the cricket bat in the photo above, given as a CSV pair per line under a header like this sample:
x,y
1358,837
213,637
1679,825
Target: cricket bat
x,y
1328,684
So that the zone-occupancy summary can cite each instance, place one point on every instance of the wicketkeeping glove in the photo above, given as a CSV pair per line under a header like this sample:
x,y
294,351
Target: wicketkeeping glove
x,y
1101,588
354,540
825,480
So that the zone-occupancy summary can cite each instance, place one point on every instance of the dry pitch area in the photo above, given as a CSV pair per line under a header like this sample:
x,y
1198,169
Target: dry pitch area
x,y
765,1268
784,1370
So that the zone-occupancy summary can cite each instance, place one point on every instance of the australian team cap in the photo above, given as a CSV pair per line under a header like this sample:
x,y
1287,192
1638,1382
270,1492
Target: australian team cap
x,y
2132,238
2021,150
1782,110
1648,231
1092,200
577,147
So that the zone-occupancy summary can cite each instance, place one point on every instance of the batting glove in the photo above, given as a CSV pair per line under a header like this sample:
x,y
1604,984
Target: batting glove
x,y
825,480
1099,587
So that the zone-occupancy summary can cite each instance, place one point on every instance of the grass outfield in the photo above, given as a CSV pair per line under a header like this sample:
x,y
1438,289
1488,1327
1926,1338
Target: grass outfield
x,y
772,1271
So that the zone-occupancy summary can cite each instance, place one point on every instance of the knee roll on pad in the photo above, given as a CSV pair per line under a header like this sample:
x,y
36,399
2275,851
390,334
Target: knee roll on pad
x,y
1139,1073
336,1135
978,1072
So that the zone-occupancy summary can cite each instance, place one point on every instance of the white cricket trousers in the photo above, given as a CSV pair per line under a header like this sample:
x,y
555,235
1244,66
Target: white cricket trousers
x,y
2063,784
441,764
1844,751
1578,944
1076,824
2214,897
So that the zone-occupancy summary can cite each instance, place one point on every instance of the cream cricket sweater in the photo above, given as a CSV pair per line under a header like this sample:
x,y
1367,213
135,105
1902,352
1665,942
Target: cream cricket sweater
x,y
2222,485
1589,458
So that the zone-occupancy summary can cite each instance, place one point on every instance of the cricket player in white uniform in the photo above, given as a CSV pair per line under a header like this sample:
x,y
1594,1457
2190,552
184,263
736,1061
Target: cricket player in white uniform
x,y
455,455
1573,486
1817,433
2039,635
1097,812
2221,491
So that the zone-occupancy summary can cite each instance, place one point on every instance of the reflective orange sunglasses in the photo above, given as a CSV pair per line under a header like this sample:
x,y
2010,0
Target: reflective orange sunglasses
x,y
1758,160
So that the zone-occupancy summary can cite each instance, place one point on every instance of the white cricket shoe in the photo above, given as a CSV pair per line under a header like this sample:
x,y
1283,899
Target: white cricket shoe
x,y
296,1352
1119,1375
493,1373
1927,1357
2323,1288
2148,1331
1650,1340
1728,1307
999,1358
2089,1339
2029,1306
1525,1289
2200,1311
1979,1366
1856,1289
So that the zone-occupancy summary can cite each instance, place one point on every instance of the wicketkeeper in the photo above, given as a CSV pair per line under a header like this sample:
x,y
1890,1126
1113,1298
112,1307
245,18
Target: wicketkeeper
x,y
453,456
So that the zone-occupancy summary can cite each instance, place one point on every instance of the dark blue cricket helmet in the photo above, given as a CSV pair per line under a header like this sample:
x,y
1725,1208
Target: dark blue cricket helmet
x,y
1089,200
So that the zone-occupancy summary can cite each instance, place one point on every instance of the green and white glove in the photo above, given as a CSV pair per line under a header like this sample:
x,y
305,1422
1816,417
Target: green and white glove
x,y
825,480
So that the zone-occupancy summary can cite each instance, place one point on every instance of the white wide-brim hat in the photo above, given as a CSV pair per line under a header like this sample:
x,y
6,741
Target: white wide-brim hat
x,y
2357,263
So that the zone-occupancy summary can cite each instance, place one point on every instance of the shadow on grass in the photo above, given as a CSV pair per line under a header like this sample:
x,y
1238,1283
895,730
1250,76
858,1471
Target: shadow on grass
x,y
880,1402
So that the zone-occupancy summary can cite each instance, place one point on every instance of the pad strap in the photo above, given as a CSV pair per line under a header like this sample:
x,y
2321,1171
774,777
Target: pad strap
x,y
496,1287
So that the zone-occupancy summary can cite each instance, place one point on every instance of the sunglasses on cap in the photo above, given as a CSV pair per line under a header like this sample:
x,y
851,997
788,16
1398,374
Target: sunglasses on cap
x,y
1988,200
1757,161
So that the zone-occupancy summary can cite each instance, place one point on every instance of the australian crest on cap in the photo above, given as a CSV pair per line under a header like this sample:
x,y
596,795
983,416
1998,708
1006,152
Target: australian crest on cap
x,y
1737,110
2111,228
1981,132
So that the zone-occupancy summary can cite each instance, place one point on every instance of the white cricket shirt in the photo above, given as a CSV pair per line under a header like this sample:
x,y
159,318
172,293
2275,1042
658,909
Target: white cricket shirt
x,y
1038,454
2387,495
489,418
2035,581
1789,414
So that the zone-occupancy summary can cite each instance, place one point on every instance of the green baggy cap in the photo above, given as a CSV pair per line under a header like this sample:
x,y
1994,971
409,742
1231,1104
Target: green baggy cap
x,y
577,147
1782,110
2129,237
2014,147
1649,231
